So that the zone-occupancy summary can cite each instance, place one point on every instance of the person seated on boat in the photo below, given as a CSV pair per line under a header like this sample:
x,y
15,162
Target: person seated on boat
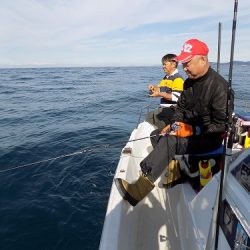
x,y
198,124
169,89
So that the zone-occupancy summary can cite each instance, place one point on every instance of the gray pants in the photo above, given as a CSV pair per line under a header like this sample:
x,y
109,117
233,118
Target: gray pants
x,y
160,117
165,148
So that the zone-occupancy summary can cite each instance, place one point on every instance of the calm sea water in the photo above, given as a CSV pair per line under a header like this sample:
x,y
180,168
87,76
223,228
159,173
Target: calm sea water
x,y
45,113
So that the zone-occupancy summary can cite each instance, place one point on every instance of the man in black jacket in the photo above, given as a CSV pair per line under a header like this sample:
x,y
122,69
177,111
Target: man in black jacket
x,y
197,125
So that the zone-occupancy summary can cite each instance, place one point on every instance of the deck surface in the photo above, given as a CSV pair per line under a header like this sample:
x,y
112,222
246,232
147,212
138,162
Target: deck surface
x,y
156,225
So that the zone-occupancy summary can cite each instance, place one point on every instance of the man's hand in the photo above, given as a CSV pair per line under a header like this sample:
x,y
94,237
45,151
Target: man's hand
x,y
155,94
151,87
154,88
181,129
154,91
165,130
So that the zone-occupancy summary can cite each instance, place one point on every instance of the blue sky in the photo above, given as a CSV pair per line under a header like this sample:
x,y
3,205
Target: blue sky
x,y
37,33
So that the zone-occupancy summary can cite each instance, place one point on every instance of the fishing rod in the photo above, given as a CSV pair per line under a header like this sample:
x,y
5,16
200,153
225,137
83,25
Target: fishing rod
x,y
228,143
219,47
172,128
82,150
79,152
211,235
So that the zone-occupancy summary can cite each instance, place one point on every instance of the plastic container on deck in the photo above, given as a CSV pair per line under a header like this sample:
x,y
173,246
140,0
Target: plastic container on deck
x,y
247,139
205,172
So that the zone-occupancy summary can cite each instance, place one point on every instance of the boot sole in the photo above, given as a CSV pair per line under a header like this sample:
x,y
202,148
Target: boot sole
x,y
124,194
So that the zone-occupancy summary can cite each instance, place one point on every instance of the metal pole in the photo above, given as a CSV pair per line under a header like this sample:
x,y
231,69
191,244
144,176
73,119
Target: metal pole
x,y
227,150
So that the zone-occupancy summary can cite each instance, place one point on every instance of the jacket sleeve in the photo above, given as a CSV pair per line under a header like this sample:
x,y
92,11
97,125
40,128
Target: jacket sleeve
x,y
180,109
215,119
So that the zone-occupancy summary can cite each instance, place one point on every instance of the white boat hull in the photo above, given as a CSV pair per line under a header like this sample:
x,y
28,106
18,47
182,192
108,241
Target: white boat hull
x,y
176,218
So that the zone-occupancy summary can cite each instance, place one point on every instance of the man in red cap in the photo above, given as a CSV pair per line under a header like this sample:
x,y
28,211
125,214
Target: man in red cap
x,y
197,125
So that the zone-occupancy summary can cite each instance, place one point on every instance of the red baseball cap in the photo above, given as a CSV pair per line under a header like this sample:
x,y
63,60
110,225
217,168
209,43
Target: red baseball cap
x,y
192,48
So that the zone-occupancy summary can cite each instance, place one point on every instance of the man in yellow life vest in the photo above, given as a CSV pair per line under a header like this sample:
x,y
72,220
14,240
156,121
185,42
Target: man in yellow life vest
x,y
169,89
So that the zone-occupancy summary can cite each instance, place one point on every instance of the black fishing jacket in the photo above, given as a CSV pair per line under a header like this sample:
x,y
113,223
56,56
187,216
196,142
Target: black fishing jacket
x,y
203,103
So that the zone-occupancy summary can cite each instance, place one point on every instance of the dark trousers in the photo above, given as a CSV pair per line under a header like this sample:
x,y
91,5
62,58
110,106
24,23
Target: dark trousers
x,y
166,147
160,117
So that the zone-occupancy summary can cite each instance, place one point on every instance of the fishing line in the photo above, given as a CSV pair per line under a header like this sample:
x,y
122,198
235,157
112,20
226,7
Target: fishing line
x,y
79,152
128,104
82,150
106,114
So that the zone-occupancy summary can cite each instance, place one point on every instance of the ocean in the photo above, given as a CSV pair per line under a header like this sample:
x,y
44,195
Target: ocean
x,y
45,113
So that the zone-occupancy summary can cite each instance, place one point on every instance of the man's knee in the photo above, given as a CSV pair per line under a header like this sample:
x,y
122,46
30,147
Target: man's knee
x,y
155,136
150,117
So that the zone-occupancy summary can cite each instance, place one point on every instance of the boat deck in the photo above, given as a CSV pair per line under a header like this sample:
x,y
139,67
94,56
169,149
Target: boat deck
x,y
157,228
157,221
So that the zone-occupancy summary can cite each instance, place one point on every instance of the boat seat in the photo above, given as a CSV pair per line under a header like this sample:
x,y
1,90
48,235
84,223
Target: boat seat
x,y
189,162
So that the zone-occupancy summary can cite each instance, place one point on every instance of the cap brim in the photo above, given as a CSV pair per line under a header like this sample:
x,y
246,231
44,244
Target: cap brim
x,y
184,57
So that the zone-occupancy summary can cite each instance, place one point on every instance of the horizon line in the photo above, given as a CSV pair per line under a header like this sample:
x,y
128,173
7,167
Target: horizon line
x,y
91,66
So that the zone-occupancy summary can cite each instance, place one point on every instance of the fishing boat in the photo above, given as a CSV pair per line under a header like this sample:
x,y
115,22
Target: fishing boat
x,y
179,217
191,215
